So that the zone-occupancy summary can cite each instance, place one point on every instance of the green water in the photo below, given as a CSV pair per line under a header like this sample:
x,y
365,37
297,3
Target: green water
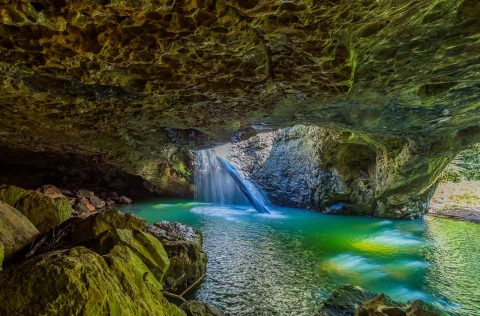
x,y
287,262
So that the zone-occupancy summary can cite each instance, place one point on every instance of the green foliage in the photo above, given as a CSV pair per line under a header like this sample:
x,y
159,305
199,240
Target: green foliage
x,y
466,166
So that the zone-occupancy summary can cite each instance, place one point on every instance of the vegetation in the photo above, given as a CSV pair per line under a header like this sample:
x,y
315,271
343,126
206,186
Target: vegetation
x,y
466,166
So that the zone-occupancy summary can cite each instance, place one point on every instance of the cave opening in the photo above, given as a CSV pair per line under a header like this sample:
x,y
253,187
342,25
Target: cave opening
x,y
458,192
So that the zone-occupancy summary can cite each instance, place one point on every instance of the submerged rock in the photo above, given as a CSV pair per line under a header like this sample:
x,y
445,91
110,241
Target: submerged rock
x,y
16,231
183,244
344,301
349,300
197,308
43,211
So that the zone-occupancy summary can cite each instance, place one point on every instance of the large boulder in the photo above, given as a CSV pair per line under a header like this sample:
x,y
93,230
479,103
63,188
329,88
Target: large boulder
x,y
80,281
183,244
349,300
16,231
145,246
43,211
85,230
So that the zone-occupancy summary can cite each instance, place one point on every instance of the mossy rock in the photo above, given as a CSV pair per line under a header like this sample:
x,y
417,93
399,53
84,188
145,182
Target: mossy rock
x,y
1,255
80,281
11,194
16,231
183,244
43,211
94,225
145,247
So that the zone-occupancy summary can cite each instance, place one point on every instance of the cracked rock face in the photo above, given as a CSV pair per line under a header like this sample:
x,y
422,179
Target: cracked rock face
x,y
136,81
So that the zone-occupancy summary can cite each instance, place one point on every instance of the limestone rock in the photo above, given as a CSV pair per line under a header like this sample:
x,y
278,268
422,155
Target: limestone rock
x,y
16,231
84,194
97,202
197,308
43,211
124,200
183,244
51,191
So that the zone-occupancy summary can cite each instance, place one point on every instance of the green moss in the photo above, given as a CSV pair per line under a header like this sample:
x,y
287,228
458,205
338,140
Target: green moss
x,y
82,282
44,212
10,194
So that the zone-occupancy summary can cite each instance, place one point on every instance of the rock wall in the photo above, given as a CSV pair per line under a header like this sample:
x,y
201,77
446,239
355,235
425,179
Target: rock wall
x,y
342,171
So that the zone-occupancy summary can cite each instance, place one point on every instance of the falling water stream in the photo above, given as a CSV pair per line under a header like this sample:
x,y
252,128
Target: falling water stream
x,y
218,181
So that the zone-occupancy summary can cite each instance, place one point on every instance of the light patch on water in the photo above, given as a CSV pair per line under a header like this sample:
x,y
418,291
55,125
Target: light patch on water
x,y
396,237
234,213
354,267
406,294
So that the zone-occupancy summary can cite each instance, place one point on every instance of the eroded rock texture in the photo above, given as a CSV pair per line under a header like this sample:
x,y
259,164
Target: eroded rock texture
x,y
131,81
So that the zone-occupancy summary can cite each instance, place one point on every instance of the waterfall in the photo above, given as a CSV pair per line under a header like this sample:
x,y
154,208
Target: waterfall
x,y
218,181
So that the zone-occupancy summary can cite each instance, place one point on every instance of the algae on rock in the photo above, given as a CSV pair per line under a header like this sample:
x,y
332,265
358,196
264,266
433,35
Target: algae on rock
x,y
43,211
81,282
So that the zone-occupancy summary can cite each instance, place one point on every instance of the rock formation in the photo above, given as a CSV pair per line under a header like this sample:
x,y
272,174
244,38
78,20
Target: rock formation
x,y
351,300
183,245
43,211
132,83
339,171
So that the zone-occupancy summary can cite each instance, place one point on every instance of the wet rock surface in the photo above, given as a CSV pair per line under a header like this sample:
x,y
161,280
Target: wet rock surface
x,y
188,261
349,300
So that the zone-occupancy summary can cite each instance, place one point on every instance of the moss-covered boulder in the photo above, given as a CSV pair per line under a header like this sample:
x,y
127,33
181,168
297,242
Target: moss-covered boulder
x,y
146,247
91,227
43,211
80,281
16,231
188,261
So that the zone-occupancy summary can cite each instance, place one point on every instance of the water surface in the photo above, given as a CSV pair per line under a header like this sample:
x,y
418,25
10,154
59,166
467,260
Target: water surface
x,y
287,262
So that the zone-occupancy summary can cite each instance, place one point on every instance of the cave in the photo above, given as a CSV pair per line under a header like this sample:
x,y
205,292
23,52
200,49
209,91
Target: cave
x,y
260,157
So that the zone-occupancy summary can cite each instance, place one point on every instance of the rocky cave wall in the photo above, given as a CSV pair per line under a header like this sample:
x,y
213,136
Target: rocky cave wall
x,y
340,171
134,83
